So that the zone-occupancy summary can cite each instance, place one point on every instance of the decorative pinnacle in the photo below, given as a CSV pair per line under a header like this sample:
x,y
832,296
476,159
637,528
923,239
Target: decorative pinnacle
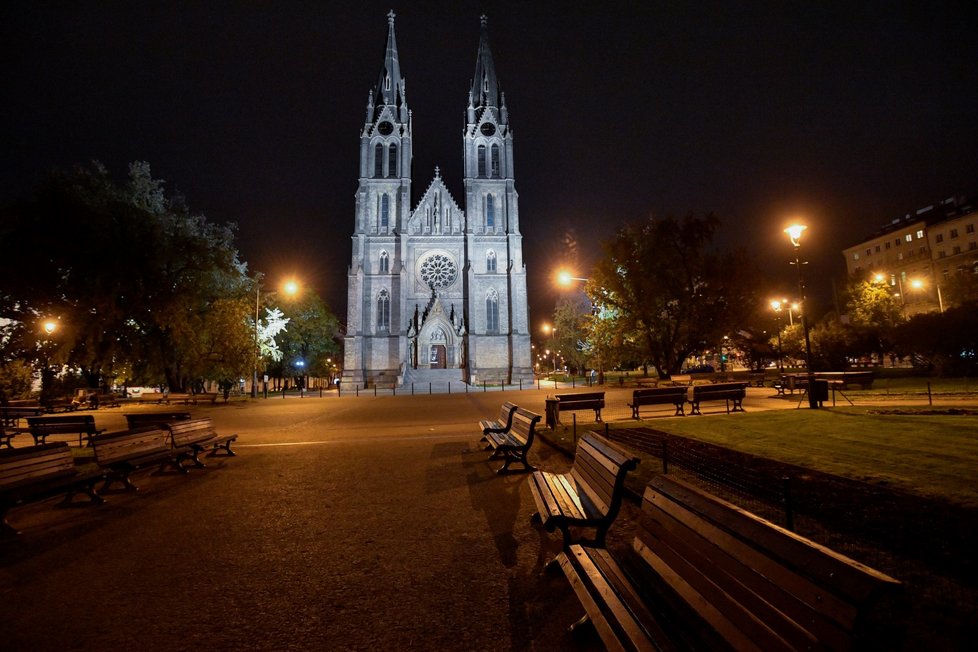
x,y
437,172
484,20
390,17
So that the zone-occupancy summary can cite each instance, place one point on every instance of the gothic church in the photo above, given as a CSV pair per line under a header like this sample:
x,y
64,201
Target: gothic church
x,y
436,293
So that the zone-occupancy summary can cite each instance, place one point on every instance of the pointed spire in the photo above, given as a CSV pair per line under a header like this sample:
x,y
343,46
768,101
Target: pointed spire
x,y
390,85
485,86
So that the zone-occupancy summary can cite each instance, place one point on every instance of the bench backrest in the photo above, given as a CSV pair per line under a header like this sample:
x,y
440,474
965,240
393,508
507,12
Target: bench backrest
x,y
154,418
190,431
506,414
20,466
739,389
599,472
65,424
115,446
766,588
659,392
524,425
583,396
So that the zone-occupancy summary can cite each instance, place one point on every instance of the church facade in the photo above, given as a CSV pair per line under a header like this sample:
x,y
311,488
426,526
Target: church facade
x,y
436,290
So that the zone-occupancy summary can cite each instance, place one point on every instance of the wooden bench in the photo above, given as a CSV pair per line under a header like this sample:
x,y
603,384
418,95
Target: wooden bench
x,y
659,396
201,397
514,445
196,436
82,424
582,401
502,424
756,378
137,419
728,392
149,397
37,472
182,397
589,495
10,418
123,453
705,574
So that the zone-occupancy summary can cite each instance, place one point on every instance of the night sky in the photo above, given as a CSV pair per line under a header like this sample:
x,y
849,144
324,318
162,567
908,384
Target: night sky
x,y
845,114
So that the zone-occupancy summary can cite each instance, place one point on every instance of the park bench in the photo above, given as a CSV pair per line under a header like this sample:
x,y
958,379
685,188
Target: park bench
x,y
659,396
589,495
581,401
123,453
195,436
705,574
10,418
82,424
728,392
182,397
63,404
756,378
514,445
149,397
137,419
201,397
502,424
38,472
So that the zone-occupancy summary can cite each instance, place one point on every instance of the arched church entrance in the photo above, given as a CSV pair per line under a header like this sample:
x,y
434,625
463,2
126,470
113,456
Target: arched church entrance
x,y
438,349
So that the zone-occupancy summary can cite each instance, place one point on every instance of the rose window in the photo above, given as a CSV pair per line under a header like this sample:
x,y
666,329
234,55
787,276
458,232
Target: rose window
x,y
438,271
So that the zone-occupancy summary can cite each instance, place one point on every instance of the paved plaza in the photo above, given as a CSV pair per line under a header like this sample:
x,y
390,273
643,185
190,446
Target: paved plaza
x,y
362,523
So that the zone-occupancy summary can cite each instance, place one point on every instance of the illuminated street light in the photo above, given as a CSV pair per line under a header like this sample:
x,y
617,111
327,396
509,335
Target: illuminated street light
x,y
50,326
794,234
290,288
777,307
565,278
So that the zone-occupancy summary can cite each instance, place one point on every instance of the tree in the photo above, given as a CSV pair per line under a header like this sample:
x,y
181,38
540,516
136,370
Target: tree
x,y
961,288
144,289
310,339
570,318
946,342
670,294
874,313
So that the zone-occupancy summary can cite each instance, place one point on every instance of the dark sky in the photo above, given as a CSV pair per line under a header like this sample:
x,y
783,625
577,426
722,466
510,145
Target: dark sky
x,y
846,114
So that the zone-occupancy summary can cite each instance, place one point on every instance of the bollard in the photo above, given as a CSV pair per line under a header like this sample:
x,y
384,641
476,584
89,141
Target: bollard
x,y
538,383
429,388
485,388
449,387
320,391
375,389
521,384
573,381
789,517
393,390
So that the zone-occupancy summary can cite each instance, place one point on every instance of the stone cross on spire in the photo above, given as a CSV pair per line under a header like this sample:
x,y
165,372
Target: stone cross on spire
x,y
390,17
437,172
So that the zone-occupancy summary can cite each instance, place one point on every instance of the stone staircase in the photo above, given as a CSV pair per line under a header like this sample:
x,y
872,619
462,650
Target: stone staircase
x,y
440,381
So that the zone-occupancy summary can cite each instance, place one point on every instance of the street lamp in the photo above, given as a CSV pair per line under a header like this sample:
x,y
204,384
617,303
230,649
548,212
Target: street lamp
x,y
794,235
776,306
565,278
547,328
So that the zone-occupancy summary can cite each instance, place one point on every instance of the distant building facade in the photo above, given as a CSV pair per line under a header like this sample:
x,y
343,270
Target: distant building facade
x,y
436,290
928,246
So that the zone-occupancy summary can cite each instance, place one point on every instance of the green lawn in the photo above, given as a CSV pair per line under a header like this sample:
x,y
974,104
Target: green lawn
x,y
923,454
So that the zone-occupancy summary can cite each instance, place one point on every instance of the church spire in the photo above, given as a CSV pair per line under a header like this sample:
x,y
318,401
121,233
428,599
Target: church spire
x,y
390,86
485,87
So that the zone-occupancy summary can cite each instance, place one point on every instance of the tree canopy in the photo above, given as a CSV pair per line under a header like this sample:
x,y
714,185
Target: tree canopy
x,y
667,293
143,289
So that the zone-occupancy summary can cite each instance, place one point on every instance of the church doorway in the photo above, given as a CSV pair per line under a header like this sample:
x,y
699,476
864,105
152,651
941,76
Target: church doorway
x,y
439,357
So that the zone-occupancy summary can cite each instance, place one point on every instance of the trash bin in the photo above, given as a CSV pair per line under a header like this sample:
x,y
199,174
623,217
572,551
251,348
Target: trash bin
x,y
820,390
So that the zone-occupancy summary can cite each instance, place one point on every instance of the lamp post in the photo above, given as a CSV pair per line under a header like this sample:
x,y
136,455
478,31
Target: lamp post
x,y
47,375
794,235
257,351
776,306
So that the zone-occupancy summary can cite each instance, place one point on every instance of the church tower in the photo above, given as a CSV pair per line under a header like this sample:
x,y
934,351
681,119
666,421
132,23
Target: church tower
x,y
436,294
496,306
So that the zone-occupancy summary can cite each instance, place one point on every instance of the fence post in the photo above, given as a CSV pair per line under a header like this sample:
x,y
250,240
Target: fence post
x,y
665,456
429,388
393,389
521,384
930,399
375,389
573,381
789,516
538,383
485,387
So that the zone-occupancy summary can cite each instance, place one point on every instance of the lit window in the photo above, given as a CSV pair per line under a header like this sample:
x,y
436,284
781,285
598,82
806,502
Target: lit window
x,y
920,234
855,255
900,256
908,237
